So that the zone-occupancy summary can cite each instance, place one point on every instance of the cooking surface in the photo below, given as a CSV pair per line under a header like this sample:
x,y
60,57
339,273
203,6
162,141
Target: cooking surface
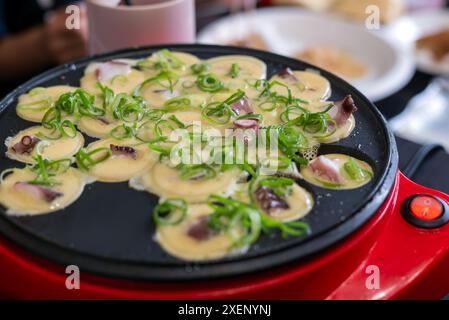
x,y
114,222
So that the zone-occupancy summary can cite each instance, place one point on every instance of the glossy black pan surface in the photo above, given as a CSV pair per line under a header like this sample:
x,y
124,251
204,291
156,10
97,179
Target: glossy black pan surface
x,y
109,231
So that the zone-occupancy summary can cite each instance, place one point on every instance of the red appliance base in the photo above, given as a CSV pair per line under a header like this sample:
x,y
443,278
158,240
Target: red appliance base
x,y
388,258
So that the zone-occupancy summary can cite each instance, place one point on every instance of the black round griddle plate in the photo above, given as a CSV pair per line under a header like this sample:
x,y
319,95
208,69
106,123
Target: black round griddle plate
x,y
109,230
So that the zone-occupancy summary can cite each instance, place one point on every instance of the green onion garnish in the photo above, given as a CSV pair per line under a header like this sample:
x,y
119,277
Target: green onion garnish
x,y
250,116
199,68
354,171
154,114
244,222
235,70
170,212
164,127
167,60
46,170
221,112
177,103
216,112
165,79
291,141
209,83
123,131
319,124
240,221
197,171
287,229
85,159
279,185
58,128
155,145
78,103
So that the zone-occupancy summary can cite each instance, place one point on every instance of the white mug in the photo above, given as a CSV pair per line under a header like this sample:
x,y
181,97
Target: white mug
x,y
146,22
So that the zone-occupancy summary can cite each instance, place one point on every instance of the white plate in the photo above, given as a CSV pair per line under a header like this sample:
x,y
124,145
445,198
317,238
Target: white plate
x,y
410,28
288,30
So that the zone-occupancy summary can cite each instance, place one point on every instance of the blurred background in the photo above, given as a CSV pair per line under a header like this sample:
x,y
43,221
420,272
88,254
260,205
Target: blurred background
x,y
395,51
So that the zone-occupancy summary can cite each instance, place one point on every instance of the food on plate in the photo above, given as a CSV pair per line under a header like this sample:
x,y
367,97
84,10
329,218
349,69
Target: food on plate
x,y
33,105
354,9
318,5
191,238
337,171
253,40
389,10
436,43
333,60
51,144
306,85
45,187
237,67
179,62
220,144
117,75
115,160
281,198
191,182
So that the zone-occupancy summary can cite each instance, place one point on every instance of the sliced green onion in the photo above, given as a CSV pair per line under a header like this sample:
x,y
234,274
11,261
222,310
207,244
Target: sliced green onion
x,y
209,83
85,159
154,114
59,128
354,171
188,84
121,78
123,131
79,102
292,113
167,60
164,127
46,170
319,124
145,132
197,171
199,68
177,103
178,122
216,112
51,117
155,145
242,222
170,212
287,229
279,185
250,116
165,79
127,108
235,70
68,129
221,112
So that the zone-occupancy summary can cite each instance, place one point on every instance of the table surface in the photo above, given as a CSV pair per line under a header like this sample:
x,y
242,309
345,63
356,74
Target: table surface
x,y
437,161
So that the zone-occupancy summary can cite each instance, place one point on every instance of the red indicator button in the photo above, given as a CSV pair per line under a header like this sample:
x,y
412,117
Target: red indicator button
x,y
426,208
